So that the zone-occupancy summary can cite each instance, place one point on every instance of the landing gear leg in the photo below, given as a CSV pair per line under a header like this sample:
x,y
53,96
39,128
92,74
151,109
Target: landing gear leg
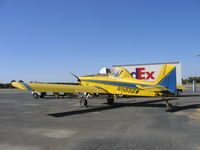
x,y
83,102
169,105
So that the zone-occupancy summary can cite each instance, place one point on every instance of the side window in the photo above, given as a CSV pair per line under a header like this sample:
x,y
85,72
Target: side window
x,y
116,73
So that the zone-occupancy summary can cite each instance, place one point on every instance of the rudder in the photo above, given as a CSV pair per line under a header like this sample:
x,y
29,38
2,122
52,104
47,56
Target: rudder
x,y
167,78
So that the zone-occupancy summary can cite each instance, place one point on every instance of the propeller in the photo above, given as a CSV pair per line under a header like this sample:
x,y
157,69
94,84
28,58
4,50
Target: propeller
x,y
76,77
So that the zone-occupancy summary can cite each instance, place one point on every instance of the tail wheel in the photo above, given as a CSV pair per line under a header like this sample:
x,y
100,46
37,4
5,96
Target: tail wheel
x,y
169,106
110,100
178,93
35,95
83,102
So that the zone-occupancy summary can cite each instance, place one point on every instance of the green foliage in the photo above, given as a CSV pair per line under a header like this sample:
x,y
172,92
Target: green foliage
x,y
5,86
190,80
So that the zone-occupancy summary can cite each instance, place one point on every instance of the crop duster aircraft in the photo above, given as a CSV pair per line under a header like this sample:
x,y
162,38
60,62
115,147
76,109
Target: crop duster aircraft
x,y
118,82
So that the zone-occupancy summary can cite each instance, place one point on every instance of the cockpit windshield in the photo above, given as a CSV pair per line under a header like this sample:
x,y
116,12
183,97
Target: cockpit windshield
x,y
116,73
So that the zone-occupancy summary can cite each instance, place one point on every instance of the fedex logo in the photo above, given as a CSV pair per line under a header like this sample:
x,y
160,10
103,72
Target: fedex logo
x,y
141,74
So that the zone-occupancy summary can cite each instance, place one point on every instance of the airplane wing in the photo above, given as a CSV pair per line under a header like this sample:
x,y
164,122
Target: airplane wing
x,y
57,88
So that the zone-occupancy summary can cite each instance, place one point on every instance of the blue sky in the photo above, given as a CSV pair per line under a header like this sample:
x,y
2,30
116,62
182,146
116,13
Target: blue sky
x,y
46,40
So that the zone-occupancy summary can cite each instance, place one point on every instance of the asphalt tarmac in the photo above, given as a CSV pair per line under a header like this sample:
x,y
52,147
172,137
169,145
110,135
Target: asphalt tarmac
x,y
130,124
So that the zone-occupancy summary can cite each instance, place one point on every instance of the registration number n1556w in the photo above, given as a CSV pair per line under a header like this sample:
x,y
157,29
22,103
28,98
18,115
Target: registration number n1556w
x,y
127,90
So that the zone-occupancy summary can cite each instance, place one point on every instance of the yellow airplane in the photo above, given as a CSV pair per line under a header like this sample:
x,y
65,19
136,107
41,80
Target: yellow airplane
x,y
118,82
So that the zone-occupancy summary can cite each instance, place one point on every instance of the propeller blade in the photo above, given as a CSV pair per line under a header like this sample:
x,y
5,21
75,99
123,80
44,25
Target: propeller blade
x,y
76,77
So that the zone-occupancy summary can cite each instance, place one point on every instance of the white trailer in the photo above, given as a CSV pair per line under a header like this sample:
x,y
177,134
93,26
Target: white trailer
x,y
149,72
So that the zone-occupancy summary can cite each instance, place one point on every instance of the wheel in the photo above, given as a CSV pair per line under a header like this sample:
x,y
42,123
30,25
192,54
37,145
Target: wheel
x,y
83,102
163,97
110,100
35,95
178,93
42,95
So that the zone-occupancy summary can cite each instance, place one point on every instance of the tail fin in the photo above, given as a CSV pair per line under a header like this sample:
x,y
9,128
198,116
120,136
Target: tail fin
x,y
167,78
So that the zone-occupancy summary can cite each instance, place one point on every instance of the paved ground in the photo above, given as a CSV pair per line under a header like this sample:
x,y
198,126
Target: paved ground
x,y
130,124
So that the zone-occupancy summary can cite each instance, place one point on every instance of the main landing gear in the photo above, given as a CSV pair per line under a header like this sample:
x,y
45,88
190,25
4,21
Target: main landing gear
x,y
84,99
83,102
169,106
110,100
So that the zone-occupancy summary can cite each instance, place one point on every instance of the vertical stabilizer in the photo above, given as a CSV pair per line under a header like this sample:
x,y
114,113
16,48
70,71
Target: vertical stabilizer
x,y
167,78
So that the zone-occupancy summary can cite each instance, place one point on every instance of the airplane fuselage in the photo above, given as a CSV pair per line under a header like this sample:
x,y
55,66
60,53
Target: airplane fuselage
x,y
118,86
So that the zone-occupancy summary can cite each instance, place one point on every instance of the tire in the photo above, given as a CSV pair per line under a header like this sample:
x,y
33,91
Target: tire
x,y
110,100
42,95
35,95
178,94
83,102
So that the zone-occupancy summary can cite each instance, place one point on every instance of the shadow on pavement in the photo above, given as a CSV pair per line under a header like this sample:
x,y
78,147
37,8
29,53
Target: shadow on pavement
x,y
195,95
113,106
180,108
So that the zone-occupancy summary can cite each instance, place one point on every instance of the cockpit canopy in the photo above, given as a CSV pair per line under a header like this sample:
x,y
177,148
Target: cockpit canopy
x,y
121,73
116,73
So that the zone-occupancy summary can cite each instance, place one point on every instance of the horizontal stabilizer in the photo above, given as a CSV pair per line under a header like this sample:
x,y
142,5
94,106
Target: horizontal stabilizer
x,y
153,88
